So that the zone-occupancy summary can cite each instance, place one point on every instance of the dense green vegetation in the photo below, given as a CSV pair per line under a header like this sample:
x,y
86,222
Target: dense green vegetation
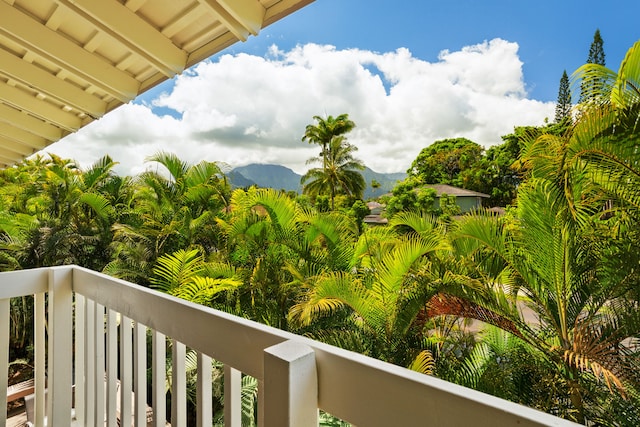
x,y
553,286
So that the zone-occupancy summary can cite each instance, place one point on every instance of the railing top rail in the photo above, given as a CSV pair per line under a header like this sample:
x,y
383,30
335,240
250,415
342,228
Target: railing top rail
x,y
23,282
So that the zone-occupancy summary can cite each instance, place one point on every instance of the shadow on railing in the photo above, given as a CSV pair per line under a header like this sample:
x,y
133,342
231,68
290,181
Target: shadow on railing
x,y
98,327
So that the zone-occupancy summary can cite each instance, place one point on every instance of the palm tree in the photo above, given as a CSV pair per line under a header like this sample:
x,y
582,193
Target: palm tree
x,y
568,273
325,130
57,213
339,173
169,211
393,274
606,137
275,244
571,251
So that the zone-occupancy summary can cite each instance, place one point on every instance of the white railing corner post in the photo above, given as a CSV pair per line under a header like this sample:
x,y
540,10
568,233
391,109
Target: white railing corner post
x,y
60,344
290,393
5,309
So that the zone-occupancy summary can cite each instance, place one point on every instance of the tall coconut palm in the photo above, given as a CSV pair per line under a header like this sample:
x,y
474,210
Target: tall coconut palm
x,y
339,173
325,130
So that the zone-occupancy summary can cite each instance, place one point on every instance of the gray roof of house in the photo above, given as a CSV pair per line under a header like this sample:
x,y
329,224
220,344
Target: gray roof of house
x,y
454,191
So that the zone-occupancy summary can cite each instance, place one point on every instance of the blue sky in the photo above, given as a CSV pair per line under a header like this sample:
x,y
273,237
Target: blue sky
x,y
408,73
553,35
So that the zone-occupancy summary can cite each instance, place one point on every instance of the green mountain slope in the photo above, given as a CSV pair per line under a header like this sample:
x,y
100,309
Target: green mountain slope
x,y
283,178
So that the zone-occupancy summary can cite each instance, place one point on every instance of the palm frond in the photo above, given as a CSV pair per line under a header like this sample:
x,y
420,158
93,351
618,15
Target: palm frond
x,y
330,292
423,363
396,265
419,223
173,270
201,290
174,165
99,204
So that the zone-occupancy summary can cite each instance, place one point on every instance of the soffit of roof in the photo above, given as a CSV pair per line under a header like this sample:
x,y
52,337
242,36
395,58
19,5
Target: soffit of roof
x,y
65,63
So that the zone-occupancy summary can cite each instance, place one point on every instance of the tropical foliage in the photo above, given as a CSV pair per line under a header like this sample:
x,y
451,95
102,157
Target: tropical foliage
x,y
539,306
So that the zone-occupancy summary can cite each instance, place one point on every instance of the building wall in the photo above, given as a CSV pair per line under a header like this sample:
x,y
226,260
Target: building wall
x,y
467,204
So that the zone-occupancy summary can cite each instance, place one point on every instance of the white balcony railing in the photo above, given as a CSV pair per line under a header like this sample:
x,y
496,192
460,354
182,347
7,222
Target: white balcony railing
x,y
96,350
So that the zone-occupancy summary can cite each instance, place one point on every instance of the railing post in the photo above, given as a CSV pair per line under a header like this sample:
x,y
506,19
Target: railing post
x,y
290,395
111,374
5,307
40,354
79,358
90,361
100,365
60,345
126,371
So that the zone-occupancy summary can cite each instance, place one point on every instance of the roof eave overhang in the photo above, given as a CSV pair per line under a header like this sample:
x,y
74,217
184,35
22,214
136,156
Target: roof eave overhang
x,y
66,63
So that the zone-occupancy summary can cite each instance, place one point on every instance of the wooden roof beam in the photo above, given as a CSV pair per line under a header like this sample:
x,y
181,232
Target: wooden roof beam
x,y
50,85
21,136
123,25
241,17
39,108
57,49
29,123
181,20
7,151
248,13
135,4
9,159
282,9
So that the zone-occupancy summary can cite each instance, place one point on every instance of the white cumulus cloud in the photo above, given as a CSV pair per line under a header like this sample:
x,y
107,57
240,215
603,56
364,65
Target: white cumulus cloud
x,y
241,109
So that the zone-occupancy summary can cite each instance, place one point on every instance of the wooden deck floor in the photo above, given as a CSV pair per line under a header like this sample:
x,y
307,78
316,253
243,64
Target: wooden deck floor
x,y
17,417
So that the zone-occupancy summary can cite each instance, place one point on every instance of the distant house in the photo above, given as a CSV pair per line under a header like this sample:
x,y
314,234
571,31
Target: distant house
x,y
375,217
375,208
467,200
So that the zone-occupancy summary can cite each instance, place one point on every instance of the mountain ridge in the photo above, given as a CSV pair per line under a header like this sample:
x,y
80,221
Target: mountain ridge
x,y
282,178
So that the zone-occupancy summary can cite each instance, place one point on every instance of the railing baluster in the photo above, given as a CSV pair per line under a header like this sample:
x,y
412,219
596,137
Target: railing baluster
x,y
261,402
112,368
158,359
232,397
79,358
39,329
99,377
203,389
5,308
126,355
90,364
178,385
140,374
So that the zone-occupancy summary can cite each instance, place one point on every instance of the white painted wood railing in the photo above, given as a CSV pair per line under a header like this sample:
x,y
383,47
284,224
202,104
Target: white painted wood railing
x,y
96,348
